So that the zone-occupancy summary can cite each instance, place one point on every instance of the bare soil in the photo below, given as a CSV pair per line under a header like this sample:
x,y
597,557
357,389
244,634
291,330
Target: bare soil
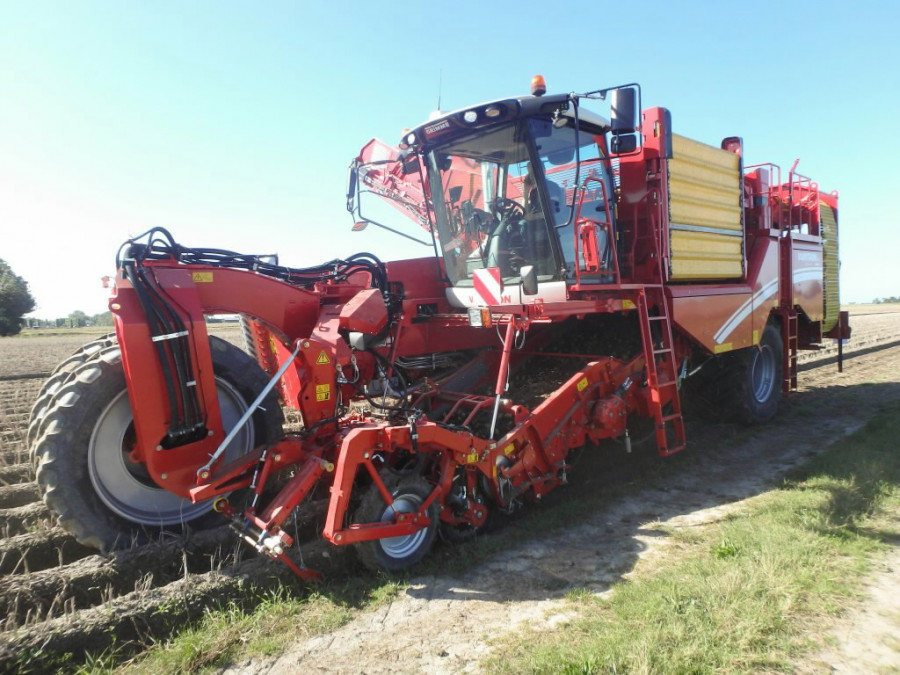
x,y
57,596
867,638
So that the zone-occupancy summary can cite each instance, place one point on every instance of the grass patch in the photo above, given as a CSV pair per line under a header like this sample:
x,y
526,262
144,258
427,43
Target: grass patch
x,y
232,633
746,592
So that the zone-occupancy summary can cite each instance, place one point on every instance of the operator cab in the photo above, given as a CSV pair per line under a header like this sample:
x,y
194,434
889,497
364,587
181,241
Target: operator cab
x,y
520,193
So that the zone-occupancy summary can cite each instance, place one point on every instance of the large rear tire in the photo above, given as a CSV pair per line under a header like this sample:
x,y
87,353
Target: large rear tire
x,y
394,554
753,384
59,377
741,386
83,466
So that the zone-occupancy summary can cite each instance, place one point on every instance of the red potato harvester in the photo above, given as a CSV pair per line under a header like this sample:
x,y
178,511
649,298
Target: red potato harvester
x,y
574,226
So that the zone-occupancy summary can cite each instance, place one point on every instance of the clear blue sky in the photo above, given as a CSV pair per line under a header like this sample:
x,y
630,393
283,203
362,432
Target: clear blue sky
x,y
232,123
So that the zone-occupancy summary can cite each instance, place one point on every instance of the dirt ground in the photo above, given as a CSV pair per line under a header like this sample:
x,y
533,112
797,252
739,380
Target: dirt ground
x,y
447,624
867,639
59,596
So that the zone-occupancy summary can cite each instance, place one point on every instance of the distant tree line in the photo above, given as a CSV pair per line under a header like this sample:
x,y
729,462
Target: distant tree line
x,y
15,300
79,319
886,301
76,319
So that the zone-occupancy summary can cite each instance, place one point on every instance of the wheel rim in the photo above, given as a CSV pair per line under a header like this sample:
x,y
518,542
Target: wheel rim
x,y
126,488
763,374
407,544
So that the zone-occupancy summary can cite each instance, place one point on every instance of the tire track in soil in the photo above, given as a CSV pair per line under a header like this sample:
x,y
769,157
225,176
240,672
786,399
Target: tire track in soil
x,y
55,588
16,473
23,519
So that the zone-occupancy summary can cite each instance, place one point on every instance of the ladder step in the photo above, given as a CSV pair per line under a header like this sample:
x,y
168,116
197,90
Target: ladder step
x,y
672,450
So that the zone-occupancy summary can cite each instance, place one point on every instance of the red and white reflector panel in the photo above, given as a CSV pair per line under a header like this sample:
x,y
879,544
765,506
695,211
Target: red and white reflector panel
x,y
488,285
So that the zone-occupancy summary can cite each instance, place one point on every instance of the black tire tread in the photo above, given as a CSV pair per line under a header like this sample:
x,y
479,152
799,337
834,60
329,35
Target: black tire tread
x,y
723,390
59,456
370,553
60,376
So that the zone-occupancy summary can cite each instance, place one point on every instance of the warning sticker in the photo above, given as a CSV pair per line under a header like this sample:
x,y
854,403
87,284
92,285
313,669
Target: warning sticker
x,y
202,277
322,359
323,392
582,384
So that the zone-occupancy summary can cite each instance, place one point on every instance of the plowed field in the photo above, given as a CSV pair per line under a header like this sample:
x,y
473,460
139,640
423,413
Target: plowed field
x,y
57,596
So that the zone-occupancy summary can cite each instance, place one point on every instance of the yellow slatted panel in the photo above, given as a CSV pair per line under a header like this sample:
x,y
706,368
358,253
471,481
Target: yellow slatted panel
x,y
700,255
704,192
832,265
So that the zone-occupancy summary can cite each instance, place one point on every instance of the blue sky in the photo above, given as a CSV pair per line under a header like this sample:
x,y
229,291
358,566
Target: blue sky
x,y
232,123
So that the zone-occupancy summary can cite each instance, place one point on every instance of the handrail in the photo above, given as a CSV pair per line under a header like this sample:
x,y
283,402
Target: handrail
x,y
606,224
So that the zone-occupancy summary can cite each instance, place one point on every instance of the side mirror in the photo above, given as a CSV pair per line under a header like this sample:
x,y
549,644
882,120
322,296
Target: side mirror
x,y
623,144
529,280
352,179
409,165
623,110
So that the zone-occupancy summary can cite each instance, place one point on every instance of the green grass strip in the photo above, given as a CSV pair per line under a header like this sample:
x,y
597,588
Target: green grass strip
x,y
744,595
232,634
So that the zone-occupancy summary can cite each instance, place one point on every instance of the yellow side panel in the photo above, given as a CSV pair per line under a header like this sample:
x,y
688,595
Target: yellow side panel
x,y
832,267
700,255
704,212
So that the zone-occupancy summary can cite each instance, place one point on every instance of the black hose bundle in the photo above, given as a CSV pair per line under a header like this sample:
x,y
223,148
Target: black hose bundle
x,y
169,332
158,244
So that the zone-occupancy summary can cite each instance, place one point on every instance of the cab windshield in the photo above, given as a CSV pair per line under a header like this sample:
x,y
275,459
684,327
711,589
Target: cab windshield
x,y
490,212
498,203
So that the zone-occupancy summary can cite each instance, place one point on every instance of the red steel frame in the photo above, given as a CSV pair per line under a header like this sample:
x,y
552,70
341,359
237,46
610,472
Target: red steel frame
x,y
591,404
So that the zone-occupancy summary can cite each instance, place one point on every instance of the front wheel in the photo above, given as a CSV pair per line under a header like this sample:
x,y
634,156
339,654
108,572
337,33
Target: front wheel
x,y
84,467
397,553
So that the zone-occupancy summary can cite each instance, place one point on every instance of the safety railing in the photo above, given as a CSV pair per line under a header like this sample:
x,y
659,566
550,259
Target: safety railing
x,y
594,240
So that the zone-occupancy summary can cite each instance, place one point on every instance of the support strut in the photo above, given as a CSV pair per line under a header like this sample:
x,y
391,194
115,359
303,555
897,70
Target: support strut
x,y
500,387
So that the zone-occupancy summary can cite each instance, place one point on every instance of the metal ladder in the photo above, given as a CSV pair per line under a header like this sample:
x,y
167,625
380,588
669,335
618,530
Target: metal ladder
x,y
788,313
789,350
662,377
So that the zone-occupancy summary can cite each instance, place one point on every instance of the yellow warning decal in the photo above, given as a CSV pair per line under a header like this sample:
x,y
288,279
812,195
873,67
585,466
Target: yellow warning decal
x,y
628,304
472,458
756,337
582,384
724,347
202,277
509,449
322,359
323,392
